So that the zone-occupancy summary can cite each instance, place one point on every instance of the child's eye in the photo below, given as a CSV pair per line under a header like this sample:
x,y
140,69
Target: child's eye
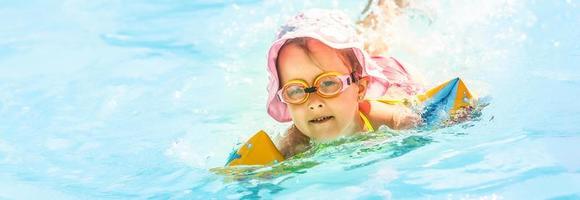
x,y
295,91
327,83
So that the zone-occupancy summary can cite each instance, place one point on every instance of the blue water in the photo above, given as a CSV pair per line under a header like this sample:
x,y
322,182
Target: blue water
x,y
139,100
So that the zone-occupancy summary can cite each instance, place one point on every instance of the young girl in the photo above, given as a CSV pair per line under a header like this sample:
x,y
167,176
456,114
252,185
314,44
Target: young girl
x,y
324,82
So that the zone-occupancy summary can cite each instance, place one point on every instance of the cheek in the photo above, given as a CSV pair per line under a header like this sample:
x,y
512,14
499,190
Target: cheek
x,y
298,113
295,110
348,98
346,104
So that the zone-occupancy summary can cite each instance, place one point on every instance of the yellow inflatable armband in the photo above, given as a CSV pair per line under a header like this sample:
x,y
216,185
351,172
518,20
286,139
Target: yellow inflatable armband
x,y
453,93
258,150
449,97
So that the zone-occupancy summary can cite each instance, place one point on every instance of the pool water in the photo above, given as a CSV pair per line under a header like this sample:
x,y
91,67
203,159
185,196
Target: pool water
x,y
145,100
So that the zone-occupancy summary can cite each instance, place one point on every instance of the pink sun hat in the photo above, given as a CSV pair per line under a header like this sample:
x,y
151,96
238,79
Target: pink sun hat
x,y
332,28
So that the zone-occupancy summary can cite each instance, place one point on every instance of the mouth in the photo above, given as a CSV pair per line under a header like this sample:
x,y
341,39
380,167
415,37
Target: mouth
x,y
322,119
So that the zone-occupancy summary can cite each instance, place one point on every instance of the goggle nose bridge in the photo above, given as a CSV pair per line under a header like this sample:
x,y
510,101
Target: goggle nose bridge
x,y
310,89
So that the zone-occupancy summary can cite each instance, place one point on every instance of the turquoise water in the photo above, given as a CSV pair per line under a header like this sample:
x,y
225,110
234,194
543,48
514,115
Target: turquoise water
x,y
139,100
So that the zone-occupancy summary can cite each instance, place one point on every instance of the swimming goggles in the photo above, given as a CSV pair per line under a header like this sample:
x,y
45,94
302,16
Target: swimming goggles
x,y
328,84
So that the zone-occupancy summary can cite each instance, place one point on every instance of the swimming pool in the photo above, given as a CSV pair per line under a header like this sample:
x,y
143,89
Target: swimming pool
x,y
139,100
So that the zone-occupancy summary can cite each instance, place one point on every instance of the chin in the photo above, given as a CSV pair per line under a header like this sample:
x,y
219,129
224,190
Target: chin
x,y
326,136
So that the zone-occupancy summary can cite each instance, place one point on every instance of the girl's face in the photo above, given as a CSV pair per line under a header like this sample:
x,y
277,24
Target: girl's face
x,y
320,118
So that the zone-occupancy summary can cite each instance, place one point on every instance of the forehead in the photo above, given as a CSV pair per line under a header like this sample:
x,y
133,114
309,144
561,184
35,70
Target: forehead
x,y
295,63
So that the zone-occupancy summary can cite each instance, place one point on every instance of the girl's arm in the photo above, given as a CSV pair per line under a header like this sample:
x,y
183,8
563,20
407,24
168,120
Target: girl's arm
x,y
396,116
293,142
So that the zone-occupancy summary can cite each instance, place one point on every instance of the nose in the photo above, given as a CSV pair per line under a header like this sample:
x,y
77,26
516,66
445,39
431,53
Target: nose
x,y
315,102
315,105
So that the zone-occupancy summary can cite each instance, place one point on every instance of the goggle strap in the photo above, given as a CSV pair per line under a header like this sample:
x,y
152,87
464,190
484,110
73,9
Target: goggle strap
x,y
353,77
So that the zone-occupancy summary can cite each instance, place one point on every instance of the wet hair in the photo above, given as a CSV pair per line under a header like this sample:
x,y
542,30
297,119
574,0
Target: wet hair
x,y
347,56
